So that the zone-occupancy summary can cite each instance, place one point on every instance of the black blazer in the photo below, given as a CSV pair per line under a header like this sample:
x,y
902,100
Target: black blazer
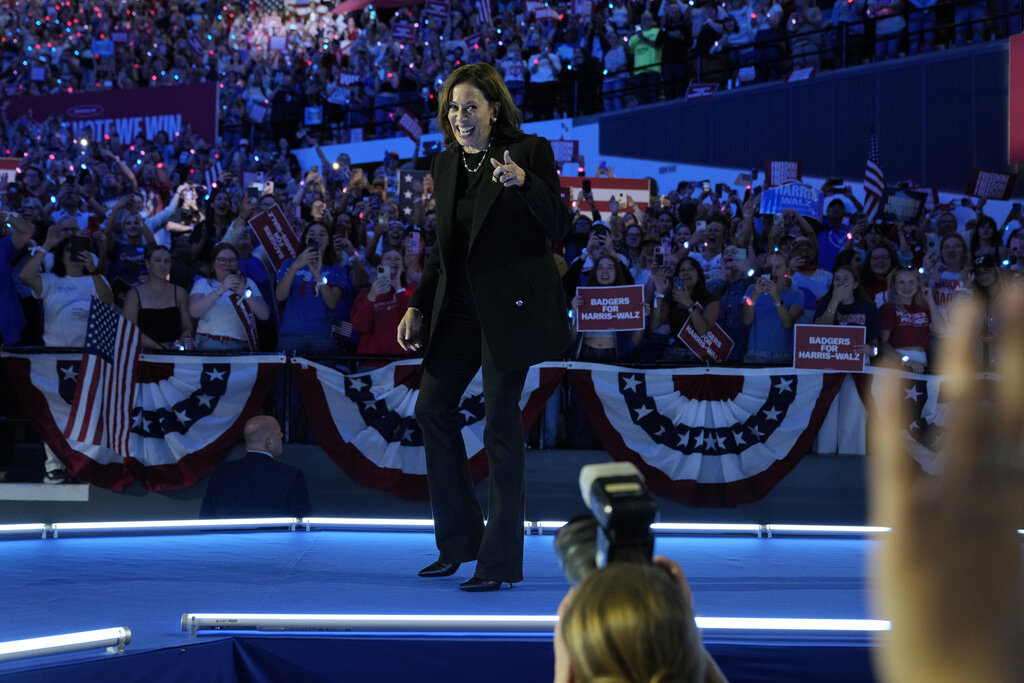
x,y
255,485
512,274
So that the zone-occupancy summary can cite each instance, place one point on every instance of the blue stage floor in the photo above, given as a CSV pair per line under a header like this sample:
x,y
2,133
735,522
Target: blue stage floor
x,y
147,582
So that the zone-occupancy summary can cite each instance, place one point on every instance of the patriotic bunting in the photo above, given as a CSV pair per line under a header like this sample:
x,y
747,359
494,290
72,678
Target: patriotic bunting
x,y
189,411
366,423
704,438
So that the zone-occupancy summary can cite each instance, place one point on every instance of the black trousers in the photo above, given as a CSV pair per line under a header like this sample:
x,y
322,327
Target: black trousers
x,y
457,350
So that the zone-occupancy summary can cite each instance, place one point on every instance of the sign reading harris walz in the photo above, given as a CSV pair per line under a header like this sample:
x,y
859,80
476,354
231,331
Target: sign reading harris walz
x,y
828,347
806,201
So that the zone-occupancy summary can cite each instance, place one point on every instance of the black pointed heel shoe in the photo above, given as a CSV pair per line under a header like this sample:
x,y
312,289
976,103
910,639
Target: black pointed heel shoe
x,y
478,585
440,568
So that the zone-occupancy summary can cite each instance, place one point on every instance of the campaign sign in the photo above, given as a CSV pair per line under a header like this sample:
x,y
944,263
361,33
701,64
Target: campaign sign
x,y
276,234
714,345
828,347
611,308
565,151
991,184
806,201
782,172
906,205
9,168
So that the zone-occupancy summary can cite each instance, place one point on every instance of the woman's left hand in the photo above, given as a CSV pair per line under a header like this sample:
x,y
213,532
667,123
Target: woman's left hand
x,y
509,173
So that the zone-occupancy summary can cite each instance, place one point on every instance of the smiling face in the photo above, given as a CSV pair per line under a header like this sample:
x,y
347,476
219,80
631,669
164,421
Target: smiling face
x,y
682,237
469,114
715,234
393,260
880,262
604,271
906,285
132,225
688,272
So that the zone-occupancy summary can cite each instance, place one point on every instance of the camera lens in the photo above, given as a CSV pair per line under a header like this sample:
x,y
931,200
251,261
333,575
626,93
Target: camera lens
x,y
576,548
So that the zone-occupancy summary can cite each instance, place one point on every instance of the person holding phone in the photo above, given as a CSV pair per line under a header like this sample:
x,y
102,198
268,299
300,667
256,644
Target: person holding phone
x,y
771,308
309,286
685,299
489,298
379,308
222,304
66,293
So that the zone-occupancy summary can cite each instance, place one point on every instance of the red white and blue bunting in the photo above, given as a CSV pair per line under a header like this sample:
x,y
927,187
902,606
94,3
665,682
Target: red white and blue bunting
x,y
366,421
705,437
189,411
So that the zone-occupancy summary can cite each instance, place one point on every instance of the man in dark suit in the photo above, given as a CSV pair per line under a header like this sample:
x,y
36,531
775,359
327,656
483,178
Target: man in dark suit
x,y
491,298
256,485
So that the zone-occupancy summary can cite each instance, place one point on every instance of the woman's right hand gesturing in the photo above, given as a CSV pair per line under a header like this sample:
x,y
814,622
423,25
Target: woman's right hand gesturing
x,y
409,330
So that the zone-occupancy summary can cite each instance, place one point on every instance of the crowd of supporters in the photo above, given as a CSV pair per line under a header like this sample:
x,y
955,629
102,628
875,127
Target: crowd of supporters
x,y
160,227
559,58
134,224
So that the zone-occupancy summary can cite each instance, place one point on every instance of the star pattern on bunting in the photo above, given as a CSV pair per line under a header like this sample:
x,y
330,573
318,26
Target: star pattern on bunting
x,y
183,415
758,427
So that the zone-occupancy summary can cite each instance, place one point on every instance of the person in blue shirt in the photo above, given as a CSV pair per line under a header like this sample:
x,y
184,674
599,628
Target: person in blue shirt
x,y
309,285
770,309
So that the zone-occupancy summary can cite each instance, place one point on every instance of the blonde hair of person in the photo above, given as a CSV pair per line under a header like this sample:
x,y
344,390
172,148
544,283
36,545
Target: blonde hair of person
x,y
632,623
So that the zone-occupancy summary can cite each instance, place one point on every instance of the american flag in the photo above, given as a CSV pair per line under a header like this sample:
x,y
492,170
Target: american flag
x,y
101,412
483,8
410,125
874,180
410,188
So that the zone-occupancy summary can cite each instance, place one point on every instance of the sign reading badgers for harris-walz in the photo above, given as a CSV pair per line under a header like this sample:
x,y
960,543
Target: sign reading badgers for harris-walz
x,y
610,308
828,347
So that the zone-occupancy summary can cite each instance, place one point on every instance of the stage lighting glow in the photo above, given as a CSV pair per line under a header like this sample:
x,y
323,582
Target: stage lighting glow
x,y
704,528
826,530
173,525
766,624
517,623
114,639
671,528
356,523
17,529
498,623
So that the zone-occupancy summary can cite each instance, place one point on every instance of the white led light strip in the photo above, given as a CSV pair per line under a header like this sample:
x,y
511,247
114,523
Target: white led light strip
x,y
514,623
114,639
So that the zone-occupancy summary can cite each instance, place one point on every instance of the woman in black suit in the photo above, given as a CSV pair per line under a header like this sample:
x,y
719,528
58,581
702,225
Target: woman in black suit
x,y
489,297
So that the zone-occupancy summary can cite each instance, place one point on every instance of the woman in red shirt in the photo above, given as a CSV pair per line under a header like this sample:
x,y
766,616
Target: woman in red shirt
x,y
379,308
908,320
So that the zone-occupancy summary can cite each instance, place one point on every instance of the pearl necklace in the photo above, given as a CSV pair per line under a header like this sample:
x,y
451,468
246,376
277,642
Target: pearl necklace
x,y
482,159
